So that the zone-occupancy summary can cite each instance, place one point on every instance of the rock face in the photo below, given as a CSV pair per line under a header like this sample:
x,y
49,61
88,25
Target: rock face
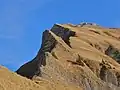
x,y
85,56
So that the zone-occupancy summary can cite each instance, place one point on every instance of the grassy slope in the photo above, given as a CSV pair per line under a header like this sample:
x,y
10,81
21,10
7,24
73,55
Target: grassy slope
x,y
11,81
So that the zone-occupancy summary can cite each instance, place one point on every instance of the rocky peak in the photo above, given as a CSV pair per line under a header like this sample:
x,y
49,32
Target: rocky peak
x,y
78,56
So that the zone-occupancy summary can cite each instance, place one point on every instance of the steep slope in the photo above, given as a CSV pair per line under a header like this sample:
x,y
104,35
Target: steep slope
x,y
85,55
11,81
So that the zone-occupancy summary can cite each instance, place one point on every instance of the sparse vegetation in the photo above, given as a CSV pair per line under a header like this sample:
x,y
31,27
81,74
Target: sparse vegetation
x,y
116,55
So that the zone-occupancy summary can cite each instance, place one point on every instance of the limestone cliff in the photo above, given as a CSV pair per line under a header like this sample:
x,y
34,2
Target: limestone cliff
x,y
84,55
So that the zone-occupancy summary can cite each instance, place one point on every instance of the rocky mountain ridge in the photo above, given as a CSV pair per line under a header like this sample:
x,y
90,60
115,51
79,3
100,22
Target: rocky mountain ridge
x,y
84,56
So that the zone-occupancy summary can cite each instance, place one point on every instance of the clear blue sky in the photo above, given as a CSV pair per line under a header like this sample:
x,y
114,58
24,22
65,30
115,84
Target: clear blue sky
x,y
23,21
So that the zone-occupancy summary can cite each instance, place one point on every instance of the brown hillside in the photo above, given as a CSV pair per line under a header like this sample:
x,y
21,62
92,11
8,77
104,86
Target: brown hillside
x,y
85,55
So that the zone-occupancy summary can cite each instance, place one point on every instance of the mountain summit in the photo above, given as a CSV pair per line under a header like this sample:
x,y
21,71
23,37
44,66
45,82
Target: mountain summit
x,y
72,57
85,55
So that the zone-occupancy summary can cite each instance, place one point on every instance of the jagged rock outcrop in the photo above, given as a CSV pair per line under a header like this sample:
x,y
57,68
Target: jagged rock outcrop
x,y
78,55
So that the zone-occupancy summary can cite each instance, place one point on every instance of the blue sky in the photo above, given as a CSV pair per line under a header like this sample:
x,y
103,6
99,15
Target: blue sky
x,y
23,21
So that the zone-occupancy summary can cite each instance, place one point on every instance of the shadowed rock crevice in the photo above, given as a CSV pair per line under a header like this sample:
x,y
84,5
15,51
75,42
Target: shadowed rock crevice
x,y
64,33
113,53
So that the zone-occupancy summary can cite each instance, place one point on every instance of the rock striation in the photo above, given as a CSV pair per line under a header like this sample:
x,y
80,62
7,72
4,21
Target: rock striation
x,y
86,56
